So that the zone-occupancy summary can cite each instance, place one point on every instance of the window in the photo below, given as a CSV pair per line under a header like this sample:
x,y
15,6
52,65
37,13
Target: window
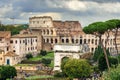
x,y
48,32
55,40
76,40
16,41
80,41
36,40
51,31
20,41
72,40
7,48
11,41
14,51
67,40
47,40
84,41
92,41
51,40
62,40
23,41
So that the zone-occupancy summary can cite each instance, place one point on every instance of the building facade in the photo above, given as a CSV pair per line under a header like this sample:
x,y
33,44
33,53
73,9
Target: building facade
x,y
22,44
65,32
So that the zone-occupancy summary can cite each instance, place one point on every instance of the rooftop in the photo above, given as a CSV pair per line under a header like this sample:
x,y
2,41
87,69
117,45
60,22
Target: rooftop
x,y
23,36
11,54
4,33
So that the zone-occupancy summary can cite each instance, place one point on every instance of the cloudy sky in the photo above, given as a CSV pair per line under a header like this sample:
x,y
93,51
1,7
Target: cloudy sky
x,y
84,11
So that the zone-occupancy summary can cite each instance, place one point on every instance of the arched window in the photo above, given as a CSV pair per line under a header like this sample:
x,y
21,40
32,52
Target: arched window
x,y
92,41
51,31
47,40
47,31
84,41
76,40
80,41
67,40
72,40
62,40
51,40
56,41
96,42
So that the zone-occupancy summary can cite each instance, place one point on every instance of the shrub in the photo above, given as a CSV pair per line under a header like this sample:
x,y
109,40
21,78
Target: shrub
x,y
75,68
46,61
8,72
114,74
43,52
59,74
102,65
29,55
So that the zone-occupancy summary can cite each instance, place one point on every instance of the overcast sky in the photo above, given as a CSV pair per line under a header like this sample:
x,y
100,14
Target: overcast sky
x,y
84,11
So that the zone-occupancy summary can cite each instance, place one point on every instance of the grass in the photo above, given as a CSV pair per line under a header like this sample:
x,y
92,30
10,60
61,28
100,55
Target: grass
x,y
38,77
49,55
25,65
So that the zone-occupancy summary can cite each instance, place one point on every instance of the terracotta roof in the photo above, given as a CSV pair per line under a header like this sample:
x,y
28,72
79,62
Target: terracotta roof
x,y
23,36
4,33
10,53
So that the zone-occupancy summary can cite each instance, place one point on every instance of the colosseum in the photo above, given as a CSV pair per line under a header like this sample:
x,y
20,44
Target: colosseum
x,y
64,32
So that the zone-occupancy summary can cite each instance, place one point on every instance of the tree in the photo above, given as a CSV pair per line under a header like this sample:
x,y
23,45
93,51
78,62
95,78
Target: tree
x,y
46,61
75,68
29,55
43,52
98,29
98,52
8,72
102,64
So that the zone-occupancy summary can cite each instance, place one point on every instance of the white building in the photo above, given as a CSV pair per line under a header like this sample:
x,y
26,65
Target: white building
x,y
68,50
22,44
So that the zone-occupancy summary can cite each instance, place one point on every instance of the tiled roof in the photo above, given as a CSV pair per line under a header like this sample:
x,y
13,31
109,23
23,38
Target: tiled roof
x,y
4,33
10,53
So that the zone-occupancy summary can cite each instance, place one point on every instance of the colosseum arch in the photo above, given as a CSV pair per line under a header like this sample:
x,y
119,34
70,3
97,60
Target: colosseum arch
x,y
47,32
56,41
67,40
51,40
51,32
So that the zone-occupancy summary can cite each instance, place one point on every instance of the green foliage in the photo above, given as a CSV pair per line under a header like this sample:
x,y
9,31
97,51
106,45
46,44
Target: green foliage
x,y
115,21
8,72
98,52
75,68
43,52
14,30
59,74
29,55
102,65
113,74
46,61
96,27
